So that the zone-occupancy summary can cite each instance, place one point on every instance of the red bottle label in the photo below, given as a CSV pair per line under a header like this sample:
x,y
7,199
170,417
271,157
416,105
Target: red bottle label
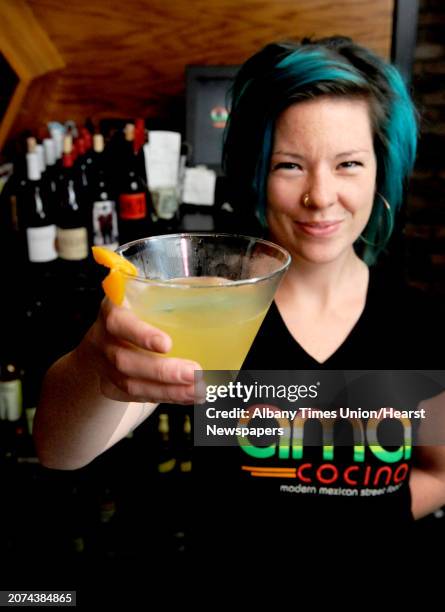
x,y
132,206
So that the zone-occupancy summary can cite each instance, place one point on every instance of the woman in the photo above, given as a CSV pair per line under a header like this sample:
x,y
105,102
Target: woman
x,y
321,138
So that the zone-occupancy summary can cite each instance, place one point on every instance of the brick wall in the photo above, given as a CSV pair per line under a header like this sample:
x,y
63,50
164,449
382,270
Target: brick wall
x,y
425,213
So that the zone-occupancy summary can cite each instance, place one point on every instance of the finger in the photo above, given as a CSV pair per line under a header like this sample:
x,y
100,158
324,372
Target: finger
x,y
134,363
139,391
125,325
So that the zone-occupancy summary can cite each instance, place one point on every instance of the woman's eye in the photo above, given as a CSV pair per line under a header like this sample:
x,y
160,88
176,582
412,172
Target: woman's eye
x,y
286,166
350,164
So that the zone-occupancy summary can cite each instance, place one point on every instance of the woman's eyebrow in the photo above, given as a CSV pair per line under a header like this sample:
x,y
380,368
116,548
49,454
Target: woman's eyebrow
x,y
342,154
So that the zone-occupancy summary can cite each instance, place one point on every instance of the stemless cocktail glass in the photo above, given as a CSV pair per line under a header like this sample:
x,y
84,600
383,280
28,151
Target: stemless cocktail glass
x,y
209,292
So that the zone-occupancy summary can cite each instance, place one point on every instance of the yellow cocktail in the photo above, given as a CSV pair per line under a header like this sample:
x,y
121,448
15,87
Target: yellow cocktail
x,y
209,320
210,293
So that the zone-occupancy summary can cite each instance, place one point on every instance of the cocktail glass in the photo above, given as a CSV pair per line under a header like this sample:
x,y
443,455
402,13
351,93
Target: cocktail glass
x,y
209,292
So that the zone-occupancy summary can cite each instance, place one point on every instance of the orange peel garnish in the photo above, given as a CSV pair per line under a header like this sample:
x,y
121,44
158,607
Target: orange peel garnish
x,y
120,268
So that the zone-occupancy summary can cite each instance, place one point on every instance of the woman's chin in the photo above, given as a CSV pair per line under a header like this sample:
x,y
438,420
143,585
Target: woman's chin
x,y
320,255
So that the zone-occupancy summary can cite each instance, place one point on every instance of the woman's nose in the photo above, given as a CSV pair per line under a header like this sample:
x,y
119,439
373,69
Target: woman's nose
x,y
321,190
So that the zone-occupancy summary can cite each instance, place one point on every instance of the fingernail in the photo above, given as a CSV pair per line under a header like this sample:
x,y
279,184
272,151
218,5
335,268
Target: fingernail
x,y
188,374
159,344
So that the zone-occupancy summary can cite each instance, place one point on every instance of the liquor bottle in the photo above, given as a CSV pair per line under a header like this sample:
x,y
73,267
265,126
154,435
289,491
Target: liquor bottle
x,y
133,203
72,233
104,215
36,218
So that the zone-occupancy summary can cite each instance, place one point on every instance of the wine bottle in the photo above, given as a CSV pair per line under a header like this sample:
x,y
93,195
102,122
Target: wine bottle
x,y
133,204
104,221
36,217
72,234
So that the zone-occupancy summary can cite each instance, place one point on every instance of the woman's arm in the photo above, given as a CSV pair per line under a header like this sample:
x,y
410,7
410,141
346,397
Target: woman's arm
x,y
92,397
74,422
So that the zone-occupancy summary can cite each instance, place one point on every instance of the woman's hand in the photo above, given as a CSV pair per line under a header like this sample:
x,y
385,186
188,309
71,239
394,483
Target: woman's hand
x,y
127,354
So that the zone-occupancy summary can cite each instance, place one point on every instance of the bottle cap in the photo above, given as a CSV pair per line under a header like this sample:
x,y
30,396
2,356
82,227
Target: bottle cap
x,y
31,144
129,131
98,143
67,143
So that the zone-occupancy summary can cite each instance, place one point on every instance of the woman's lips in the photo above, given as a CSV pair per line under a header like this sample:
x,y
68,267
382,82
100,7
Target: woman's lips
x,y
319,228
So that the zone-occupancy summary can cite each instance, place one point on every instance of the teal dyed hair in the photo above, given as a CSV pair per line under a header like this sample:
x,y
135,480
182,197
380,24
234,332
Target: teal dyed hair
x,y
283,74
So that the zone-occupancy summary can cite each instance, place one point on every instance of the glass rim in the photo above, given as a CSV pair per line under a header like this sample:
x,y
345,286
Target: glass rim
x,y
231,283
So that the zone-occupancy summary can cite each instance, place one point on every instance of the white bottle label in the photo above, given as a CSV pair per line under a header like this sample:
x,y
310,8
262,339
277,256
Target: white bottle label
x,y
105,232
72,244
10,400
41,243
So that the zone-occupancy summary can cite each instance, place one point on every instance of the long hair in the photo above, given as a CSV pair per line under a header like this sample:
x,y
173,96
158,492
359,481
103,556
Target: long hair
x,y
282,74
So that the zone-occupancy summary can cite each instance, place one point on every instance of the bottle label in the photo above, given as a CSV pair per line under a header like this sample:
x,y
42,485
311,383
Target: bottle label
x,y
10,400
72,244
41,243
105,232
132,206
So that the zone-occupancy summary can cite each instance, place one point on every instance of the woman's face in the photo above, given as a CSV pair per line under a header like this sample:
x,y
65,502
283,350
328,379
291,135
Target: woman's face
x,y
324,148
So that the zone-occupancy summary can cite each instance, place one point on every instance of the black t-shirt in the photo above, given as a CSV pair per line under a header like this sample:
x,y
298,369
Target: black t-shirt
x,y
320,501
